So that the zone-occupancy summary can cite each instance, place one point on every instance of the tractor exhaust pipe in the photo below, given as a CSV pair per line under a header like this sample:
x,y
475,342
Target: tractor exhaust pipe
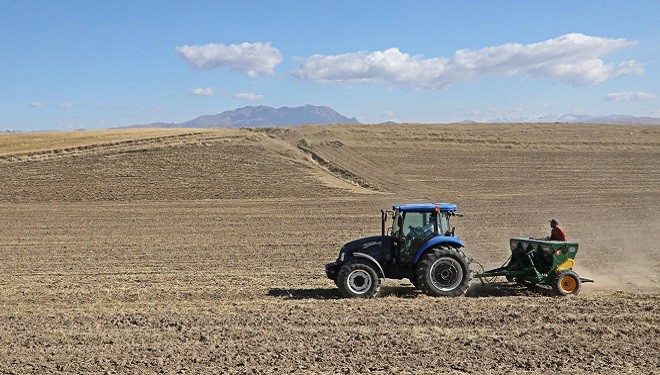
x,y
383,218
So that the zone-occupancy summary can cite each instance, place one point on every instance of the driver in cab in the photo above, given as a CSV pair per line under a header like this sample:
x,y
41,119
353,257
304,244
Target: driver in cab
x,y
429,227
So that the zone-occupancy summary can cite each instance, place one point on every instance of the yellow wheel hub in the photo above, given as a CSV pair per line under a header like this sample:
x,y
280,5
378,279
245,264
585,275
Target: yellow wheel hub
x,y
568,284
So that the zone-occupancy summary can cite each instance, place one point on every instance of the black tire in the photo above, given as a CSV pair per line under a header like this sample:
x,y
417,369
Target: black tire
x,y
566,283
444,271
358,279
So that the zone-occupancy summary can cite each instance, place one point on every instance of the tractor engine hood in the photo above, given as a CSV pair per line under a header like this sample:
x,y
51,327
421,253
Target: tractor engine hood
x,y
376,250
363,244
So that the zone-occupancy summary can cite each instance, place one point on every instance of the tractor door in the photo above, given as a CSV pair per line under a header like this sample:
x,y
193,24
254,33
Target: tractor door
x,y
417,228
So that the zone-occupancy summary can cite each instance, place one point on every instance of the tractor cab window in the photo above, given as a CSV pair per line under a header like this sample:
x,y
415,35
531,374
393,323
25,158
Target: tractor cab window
x,y
417,228
419,224
444,224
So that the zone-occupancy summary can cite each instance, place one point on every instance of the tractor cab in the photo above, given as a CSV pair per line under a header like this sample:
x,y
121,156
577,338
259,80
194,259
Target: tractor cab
x,y
419,245
413,225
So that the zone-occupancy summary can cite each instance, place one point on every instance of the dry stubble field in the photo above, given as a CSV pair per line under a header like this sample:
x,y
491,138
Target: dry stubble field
x,y
202,251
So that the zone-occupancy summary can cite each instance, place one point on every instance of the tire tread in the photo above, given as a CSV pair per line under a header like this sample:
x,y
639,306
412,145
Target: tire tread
x,y
346,269
427,261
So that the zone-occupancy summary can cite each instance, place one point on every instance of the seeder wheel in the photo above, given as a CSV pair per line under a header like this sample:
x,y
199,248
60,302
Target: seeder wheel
x,y
566,283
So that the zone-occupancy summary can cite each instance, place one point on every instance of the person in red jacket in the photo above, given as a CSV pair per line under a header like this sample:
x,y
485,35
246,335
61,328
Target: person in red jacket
x,y
557,234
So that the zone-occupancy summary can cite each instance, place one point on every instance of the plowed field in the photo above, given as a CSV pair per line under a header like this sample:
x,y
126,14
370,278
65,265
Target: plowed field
x,y
202,251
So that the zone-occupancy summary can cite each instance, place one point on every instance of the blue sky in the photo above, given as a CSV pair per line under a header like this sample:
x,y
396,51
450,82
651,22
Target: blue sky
x,y
91,65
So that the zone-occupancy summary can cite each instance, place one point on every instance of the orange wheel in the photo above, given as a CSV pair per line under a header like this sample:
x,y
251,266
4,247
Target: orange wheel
x,y
566,283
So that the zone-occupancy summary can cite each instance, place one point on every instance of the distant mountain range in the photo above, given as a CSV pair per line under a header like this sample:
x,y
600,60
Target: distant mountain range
x,y
261,116
254,116
570,118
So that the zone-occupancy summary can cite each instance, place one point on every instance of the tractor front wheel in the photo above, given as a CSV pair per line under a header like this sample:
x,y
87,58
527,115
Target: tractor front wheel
x,y
444,271
566,283
358,279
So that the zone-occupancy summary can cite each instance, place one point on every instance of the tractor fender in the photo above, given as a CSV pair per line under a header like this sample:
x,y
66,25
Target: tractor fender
x,y
437,240
381,273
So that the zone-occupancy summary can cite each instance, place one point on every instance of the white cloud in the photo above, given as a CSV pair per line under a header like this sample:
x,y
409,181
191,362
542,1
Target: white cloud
x,y
66,105
36,104
255,59
248,96
200,91
626,96
571,58
388,114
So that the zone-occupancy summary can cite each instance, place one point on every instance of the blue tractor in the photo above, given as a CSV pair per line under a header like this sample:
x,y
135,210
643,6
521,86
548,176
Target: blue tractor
x,y
419,246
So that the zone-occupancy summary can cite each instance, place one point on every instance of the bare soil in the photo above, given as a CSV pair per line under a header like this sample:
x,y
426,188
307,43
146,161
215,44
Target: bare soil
x,y
202,251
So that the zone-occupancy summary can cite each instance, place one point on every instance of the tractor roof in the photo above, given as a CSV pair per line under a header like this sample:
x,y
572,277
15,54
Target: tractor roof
x,y
425,207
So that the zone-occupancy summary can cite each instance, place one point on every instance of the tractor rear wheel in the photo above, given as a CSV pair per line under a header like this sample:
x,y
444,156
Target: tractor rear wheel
x,y
444,271
358,279
566,283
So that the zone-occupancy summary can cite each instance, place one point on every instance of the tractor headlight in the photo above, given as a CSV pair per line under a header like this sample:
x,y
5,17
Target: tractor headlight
x,y
341,256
